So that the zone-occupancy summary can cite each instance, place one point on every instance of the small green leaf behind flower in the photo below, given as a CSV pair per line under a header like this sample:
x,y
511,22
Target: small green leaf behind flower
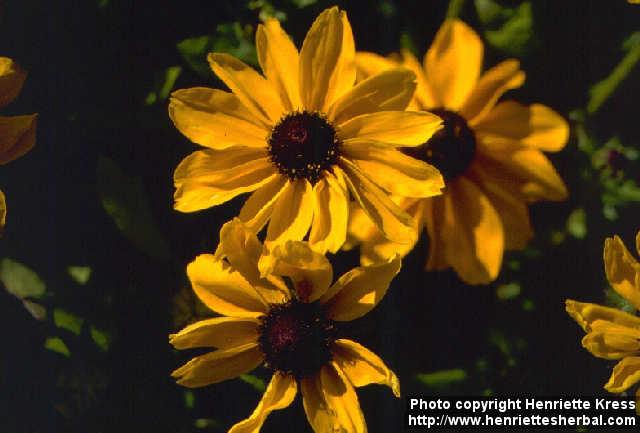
x,y
125,201
25,284
508,29
231,38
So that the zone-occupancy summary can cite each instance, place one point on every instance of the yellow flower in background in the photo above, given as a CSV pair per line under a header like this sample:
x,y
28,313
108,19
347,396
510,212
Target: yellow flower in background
x,y
17,133
290,331
612,333
303,138
489,152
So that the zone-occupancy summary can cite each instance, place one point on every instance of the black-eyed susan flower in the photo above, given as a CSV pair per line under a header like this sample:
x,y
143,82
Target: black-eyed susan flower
x,y
489,152
284,316
612,333
17,133
303,138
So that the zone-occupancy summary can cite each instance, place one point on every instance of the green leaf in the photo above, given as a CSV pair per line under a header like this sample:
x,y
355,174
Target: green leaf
x,y
257,383
303,3
55,344
489,12
515,35
231,38
164,86
508,291
124,199
602,90
20,281
79,274
189,399
577,223
267,10
99,337
454,8
442,378
66,320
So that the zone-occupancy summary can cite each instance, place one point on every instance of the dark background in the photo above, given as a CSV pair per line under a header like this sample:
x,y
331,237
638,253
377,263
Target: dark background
x,y
91,65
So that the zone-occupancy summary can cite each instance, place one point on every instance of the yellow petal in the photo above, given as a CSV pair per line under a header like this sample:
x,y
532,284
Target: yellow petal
x,y
491,86
362,367
341,397
278,59
369,64
279,394
17,136
327,60
611,343
376,248
331,403
533,125
423,97
223,364
394,171
394,128
310,272
292,213
216,119
389,90
385,214
638,242
525,171
219,332
358,291
330,214
623,271
208,178
360,228
11,80
222,289
258,208
256,93
586,314
513,211
453,64
625,374
473,232
242,249
433,221
217,166
3,212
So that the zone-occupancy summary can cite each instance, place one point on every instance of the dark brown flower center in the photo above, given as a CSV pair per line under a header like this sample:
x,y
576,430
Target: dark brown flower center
x,y
451,150
302,145
296,337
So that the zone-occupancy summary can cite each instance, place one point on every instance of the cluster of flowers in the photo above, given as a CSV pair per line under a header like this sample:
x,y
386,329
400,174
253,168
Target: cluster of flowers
x,y
341,149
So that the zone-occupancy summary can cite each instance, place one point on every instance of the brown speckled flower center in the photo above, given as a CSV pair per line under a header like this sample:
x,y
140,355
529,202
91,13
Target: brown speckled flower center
x,y
302,145
451,150
296,338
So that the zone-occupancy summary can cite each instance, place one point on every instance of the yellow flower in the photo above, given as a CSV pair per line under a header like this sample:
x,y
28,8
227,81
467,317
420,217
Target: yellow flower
x,y
304,138
17,133
611,333
489,152
291,331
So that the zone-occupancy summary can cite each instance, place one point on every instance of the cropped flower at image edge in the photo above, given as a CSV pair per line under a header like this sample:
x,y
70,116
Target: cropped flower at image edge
x,y
612,333
303,139
290,331
17,133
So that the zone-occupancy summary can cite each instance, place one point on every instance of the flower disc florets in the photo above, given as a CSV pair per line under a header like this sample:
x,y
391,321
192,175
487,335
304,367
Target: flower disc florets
x,y
451,149
303,144
296,338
